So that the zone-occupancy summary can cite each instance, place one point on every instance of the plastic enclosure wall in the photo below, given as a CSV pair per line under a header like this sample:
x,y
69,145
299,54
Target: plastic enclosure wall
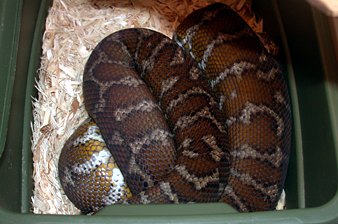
x,y
308,55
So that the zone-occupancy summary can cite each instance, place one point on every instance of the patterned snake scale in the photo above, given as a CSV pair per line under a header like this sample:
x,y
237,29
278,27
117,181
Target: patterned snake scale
x,y
204,118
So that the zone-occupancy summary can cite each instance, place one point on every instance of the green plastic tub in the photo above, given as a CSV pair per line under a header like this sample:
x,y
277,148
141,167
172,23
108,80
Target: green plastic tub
x,y
311,66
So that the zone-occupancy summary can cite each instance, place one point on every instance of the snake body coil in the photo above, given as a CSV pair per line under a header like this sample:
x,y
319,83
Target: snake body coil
x,y
210,123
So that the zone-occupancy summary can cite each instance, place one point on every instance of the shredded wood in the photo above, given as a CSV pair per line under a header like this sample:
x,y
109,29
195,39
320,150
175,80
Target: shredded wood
x,y
73,28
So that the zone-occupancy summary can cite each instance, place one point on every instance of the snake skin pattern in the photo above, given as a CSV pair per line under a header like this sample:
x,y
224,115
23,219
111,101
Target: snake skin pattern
x,y
88,172
204,118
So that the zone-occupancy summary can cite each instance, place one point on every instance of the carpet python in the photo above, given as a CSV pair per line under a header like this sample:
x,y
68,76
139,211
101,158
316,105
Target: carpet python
x,y
204,117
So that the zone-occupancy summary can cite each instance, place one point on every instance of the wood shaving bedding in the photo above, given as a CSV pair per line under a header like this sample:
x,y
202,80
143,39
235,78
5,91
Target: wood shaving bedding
x,y
73,28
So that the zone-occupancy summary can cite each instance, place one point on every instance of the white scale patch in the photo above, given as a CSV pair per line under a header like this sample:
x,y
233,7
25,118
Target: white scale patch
x,y
100,105
190,154
203,63
199,182
92,133
230,121
117,189
125,81
145,106
128,81
182,97
247,179
279,98
158,135
271,74
144,198
221,102
188,37
252,109
167,84
263,57
185,121
236,69
148,65
117,177
192,31
233,95
166,188
178,58
229,192
116,138
134,168
98,158
194,73
104,58
216,153
248,152
268,76
186,144
68,177
220,39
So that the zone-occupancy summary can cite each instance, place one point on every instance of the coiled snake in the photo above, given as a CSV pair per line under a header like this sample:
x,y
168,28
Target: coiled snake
x,y
204,118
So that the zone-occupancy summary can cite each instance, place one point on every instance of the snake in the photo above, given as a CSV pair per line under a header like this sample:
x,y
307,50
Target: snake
x,y
202,117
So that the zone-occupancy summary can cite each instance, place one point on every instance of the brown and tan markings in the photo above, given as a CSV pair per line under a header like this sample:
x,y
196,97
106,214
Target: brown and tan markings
x,y
209,123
